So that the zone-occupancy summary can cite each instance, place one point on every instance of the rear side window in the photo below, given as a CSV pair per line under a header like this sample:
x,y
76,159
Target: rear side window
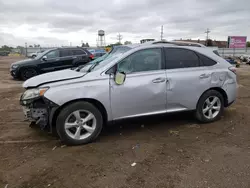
x,y
79,52
65,53
180,58
205,61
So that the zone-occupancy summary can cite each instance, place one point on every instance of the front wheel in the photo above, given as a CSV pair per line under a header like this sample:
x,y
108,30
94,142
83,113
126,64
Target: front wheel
x,y
27,73
79,123
210,106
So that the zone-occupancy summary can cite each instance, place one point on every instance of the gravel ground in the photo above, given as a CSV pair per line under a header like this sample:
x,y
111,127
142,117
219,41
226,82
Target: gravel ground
x,y
167,151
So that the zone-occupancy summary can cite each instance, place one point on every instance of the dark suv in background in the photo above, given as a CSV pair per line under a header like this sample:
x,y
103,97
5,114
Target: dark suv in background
x,y
50,60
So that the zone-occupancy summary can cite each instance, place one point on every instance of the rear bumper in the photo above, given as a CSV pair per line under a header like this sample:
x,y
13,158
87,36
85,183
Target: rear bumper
x,y
232,92
39,111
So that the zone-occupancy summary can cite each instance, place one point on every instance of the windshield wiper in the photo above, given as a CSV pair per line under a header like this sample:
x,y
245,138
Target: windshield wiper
x,y
79,68
93,66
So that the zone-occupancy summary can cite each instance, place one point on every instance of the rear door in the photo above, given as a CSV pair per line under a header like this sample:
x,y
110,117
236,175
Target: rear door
x,y
187,79
66,59
80,57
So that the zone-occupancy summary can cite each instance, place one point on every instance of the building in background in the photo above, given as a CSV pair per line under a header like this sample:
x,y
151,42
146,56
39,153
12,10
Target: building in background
x,y
219,44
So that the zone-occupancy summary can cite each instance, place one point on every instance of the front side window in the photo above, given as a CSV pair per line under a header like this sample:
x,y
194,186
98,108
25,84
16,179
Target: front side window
x,y
180,58
53,54
143,60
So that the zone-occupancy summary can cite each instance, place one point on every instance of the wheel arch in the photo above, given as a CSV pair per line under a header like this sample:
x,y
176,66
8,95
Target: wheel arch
x,y
221,91
95,102
27,67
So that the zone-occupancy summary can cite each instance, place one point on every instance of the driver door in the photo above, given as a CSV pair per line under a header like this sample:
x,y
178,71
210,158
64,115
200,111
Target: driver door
x,y
144,89
51,63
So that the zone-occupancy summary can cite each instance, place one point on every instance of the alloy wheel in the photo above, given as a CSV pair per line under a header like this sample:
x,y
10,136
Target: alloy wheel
x,y
80,124
211,107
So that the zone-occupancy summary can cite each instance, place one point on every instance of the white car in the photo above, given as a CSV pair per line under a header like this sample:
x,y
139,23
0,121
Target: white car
x,y
33,55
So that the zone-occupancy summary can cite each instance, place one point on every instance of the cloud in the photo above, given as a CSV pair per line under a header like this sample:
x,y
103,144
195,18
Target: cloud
x,y
55,22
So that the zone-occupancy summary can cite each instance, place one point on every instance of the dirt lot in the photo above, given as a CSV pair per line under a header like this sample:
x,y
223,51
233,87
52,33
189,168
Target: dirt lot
x,y
169,151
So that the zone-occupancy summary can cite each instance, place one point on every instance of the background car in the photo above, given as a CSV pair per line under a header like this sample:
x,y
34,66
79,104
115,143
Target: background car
x,y
231,60
50,60
4,53
97,52
33,55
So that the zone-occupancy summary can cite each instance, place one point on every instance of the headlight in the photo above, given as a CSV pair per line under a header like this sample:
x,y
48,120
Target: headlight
x,y
33,93
14,66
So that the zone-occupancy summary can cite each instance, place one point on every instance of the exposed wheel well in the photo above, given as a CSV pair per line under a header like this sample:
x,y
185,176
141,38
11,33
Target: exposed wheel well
x,y
96,103
222,92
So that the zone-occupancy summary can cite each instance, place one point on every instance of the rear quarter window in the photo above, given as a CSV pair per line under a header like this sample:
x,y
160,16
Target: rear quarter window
x,y
205,61
216,52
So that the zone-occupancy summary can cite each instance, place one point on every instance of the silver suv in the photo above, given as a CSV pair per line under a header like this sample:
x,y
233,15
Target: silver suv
x,y
154,78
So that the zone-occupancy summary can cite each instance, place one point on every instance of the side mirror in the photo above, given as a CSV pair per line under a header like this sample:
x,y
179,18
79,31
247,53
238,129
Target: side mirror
x,y
120,78
44,58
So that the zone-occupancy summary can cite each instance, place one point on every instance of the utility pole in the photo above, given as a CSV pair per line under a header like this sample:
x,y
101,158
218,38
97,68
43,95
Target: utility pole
x,y
119,38
162,32
207,32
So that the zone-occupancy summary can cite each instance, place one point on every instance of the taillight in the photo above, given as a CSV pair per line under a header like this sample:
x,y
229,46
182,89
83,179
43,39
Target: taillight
x,y
91,56
233,69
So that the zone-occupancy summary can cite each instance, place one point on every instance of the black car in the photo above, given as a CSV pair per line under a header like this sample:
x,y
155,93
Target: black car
x,y
50,60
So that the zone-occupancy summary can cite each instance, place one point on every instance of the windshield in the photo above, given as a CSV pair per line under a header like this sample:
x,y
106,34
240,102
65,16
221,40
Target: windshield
x,y
94,66
39,55
106,61
116,51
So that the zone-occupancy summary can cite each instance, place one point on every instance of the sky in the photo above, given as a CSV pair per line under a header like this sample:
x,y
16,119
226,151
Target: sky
x,y
65,22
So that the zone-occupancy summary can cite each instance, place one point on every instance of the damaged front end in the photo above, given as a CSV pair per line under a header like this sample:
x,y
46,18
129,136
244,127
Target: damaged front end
x,y
38,109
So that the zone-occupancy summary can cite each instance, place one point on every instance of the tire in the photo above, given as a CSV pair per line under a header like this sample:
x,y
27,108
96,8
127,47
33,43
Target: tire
x,y
202,105
27,73
66,135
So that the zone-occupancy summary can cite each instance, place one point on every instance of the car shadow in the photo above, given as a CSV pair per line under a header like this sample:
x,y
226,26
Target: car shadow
x,y
153,122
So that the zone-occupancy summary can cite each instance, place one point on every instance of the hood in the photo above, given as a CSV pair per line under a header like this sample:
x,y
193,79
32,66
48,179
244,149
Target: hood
x,y
52,77
25,61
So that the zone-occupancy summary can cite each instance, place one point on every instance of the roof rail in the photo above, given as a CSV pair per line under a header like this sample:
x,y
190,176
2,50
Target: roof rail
x,y
188,43
178,43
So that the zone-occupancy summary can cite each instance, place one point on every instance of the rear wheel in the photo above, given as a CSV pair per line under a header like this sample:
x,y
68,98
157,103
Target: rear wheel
x,y
210,106
28,73
79,123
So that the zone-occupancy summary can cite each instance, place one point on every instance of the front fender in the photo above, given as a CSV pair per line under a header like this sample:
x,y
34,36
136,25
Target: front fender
x,y
97,89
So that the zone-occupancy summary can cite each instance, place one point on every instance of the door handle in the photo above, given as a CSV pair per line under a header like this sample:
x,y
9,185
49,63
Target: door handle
x,y
57,59
74,57
204,76
159,80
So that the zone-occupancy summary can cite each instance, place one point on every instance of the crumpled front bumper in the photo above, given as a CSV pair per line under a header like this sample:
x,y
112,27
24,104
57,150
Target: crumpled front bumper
x,y
39,111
